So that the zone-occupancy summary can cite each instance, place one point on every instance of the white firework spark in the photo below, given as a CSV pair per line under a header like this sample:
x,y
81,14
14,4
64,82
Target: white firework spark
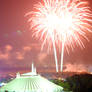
x,y
61,23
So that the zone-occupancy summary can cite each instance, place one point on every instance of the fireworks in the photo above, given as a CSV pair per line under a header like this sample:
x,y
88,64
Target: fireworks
x,y
61,23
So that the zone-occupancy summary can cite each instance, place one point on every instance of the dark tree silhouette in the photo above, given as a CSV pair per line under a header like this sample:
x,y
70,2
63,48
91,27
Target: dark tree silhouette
x,y
80,83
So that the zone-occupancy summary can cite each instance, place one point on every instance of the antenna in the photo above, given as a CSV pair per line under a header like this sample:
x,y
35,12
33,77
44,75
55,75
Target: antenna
x,y
32,67
18,75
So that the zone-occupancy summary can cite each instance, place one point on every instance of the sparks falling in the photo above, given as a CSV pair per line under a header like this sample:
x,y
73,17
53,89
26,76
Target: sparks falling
x,y
61,23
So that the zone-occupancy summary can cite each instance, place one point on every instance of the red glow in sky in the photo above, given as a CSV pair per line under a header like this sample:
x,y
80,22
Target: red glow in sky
x,y
15,35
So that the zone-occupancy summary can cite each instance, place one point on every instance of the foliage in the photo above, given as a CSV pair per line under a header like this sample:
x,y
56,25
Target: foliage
x,y
76,83
61,83
80,83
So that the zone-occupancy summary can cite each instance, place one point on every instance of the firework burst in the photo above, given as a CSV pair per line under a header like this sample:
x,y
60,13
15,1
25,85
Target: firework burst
x,y
61,23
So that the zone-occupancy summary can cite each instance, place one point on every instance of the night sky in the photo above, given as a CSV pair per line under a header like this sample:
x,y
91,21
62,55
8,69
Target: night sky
x,y
18,48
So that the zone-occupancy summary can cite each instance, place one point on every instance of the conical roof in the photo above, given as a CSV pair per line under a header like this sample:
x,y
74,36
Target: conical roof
x,y
31,84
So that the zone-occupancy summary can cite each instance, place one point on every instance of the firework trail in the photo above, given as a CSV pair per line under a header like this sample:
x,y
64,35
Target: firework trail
x,y
76,17
61,23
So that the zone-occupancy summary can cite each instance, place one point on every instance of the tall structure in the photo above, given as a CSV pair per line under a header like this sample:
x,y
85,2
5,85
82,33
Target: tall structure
x,y
33,68
33,71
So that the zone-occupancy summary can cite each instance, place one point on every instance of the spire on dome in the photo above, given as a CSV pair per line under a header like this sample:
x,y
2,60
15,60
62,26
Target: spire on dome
x,y
33,71
18,75
33,68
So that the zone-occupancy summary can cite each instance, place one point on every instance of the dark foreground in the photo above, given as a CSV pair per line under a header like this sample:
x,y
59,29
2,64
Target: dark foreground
x,y
76,83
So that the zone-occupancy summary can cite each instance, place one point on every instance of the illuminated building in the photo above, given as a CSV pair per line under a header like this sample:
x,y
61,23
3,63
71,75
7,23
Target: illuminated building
x,y
30,82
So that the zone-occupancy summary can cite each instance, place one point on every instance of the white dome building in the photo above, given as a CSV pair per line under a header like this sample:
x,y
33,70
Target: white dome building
x,y
30,82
